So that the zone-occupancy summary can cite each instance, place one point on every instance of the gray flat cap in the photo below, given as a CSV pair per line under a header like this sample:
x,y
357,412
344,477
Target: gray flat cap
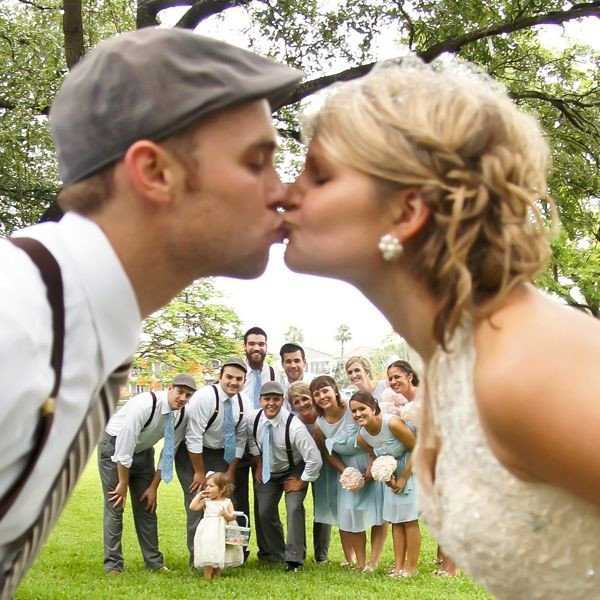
x,y
185,380
271,388
149,84
235,361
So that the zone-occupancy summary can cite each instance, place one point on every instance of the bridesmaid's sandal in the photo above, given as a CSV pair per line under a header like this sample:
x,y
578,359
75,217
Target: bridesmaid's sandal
x,y
396,574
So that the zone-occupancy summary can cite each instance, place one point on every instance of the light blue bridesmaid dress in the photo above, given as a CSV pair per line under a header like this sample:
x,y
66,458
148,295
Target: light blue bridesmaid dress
x,y
402,507
359,510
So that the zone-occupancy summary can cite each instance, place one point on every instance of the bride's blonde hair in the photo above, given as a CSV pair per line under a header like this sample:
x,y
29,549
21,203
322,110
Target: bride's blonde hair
x,y
478,162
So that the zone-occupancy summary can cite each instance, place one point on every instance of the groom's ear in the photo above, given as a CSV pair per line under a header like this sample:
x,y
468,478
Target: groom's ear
x,y
409,213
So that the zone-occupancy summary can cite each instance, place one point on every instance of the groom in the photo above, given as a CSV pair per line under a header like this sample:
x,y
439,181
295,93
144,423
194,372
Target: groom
x,y
165,145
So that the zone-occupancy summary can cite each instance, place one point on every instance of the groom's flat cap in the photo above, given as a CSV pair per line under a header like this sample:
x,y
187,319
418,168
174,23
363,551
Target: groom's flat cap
x,y
150,84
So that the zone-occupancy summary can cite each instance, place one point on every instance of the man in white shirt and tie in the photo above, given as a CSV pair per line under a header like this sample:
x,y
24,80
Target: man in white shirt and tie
x,y
255,349
288,458
126,463
215,437
293,361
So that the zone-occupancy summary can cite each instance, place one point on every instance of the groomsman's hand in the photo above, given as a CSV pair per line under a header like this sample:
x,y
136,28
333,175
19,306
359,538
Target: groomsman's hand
x,y
197,481
118,495
258,471
294,484
148,498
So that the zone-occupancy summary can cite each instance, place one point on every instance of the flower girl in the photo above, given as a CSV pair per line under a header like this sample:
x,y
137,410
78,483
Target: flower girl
x,y
210,551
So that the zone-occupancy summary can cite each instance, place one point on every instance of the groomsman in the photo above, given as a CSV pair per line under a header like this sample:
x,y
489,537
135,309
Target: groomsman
x,y
255,348
215,438
126,462
299,397
288,460
293,361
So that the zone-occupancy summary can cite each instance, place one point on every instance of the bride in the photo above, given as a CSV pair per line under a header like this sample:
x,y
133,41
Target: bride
x,y
425,187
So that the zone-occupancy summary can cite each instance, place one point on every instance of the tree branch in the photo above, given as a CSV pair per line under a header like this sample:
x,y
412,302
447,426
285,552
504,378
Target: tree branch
x,y
73,31
577,11
591,9
564,105
38,6
202,9
310,87
409,23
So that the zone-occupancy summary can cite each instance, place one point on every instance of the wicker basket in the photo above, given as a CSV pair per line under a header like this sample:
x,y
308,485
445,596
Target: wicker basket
x,y
237,535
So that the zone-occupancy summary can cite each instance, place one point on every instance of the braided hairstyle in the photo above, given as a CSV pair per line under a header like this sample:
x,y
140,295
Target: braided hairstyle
x,y
476,160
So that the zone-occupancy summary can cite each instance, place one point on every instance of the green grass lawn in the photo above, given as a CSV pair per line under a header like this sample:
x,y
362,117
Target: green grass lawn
x,y
70,566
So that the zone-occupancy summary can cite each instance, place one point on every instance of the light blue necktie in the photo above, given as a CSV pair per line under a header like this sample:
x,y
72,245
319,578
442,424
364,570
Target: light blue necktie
x,y
257,384
228,431
267,436
166,470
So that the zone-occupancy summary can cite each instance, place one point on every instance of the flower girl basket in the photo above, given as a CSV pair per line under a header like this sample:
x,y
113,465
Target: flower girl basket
x,y
237,535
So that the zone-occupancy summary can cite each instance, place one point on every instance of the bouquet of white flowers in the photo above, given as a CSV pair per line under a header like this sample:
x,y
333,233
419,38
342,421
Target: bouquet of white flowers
x,y
351,479
383,468
410,412
391,403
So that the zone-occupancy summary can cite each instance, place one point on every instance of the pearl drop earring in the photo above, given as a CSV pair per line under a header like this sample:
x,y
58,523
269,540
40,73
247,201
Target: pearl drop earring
x,y
390,247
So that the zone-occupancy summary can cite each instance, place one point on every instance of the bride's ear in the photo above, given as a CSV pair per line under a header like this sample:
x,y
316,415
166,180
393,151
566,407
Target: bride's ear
x,y
409,213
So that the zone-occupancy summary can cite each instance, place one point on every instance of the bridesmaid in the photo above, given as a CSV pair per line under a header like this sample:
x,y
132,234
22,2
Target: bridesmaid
x,y
336,433
360,373
387,435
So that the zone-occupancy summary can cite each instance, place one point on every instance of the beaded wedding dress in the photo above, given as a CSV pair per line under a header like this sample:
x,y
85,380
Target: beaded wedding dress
x,y
522,541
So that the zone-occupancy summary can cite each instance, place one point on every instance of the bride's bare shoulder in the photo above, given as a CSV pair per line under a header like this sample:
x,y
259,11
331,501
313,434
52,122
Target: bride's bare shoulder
x,y
536,378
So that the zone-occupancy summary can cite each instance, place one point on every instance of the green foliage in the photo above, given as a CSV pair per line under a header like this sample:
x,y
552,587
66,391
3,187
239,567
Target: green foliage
x,y
188,334
70,565
294,334
343,335
31,68
392,347
560,86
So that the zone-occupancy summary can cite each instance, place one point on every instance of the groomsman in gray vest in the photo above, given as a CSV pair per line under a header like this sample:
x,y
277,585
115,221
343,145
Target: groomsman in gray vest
x,y
215,437
126,463
136,125
288,458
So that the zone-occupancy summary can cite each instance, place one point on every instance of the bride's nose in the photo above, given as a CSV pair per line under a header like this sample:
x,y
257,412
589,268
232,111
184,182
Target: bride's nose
x,y
292,197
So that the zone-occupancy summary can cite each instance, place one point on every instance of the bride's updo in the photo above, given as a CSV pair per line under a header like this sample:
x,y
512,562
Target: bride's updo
x,y
478,161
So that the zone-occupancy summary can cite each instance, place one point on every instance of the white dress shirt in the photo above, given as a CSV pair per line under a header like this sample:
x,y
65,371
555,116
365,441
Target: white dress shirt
x,y
128,426
102,323
251,374
201,408
302,444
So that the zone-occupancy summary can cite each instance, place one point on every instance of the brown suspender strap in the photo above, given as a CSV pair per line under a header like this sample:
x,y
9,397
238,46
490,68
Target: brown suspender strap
x,y
288,442
52,278
154,401
214,415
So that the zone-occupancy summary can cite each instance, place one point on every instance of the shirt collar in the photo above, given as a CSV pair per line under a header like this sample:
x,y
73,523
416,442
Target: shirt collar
x,y
280,418
109,292
163,398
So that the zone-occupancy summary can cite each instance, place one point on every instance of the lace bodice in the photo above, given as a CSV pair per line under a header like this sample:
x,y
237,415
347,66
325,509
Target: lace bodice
x,y
520,540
